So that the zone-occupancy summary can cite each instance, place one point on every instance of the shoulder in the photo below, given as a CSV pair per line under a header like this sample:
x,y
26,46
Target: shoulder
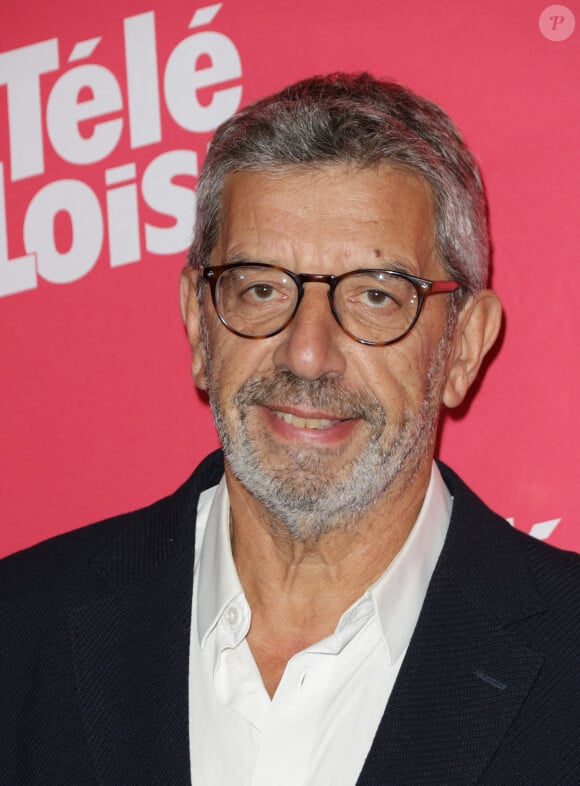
x,y
77,563
510,571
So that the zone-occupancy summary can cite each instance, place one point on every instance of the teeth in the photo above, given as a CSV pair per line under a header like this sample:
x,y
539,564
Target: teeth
x,y
317,423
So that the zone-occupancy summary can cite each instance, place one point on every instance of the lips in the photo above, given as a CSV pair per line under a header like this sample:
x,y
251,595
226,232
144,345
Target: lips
x,y
324,410
298,422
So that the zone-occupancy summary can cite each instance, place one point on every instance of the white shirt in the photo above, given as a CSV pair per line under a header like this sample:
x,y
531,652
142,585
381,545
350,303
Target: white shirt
x,y
320,724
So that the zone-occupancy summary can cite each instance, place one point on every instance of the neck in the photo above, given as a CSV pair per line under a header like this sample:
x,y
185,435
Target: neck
x,y
299,589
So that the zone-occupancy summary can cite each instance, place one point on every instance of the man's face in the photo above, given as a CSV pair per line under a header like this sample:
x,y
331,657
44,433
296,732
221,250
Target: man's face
x,y
316,426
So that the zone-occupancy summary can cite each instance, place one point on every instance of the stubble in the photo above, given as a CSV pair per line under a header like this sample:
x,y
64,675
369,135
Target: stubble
x,y
309,490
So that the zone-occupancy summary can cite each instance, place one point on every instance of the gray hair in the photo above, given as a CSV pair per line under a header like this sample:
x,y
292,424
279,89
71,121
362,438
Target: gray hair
x,y
355,119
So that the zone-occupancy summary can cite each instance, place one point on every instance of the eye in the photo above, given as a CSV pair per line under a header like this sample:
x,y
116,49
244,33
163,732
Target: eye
x,y
262,291
375,297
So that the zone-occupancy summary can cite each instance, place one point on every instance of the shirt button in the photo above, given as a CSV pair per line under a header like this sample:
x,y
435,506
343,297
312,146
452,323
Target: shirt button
x,y
232,616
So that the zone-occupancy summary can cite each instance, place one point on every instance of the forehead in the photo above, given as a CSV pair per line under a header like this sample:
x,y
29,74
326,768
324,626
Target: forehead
x,y
345,215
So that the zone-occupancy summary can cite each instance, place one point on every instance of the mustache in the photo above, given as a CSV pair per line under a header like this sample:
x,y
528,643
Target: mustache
x,y
327,394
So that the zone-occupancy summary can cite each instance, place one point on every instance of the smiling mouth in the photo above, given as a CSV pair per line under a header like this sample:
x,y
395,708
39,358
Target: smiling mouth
x,y
314,423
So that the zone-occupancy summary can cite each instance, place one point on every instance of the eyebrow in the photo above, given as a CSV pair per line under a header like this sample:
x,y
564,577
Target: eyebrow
x,y
406,268
396,265
240,256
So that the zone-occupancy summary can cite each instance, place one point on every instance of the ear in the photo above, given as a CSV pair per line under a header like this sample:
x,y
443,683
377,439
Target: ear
x,y
477,328
191,315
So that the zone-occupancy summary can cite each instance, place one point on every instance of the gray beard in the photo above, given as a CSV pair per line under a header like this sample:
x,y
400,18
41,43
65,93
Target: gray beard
x,y
308,492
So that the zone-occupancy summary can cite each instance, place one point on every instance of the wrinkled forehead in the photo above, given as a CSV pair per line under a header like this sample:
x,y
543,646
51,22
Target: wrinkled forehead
x,y
324,211
300,175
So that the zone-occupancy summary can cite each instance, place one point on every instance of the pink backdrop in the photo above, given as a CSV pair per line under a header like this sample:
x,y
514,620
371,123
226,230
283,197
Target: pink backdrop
x,y
98,413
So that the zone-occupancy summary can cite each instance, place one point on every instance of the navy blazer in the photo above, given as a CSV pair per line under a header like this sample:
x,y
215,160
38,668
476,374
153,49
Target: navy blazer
x,y
94,638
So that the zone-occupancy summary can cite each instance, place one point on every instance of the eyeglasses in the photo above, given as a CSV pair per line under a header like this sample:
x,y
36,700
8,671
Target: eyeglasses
x,y
376,307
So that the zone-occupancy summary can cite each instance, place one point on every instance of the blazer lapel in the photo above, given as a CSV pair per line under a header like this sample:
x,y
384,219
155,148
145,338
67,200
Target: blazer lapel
x,y
131,653
461,685
465,674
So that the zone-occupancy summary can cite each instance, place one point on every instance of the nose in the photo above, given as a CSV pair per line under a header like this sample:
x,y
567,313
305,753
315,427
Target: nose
x,y
310,347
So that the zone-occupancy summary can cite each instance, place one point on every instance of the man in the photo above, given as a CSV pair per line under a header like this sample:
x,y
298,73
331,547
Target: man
x,y
324,604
